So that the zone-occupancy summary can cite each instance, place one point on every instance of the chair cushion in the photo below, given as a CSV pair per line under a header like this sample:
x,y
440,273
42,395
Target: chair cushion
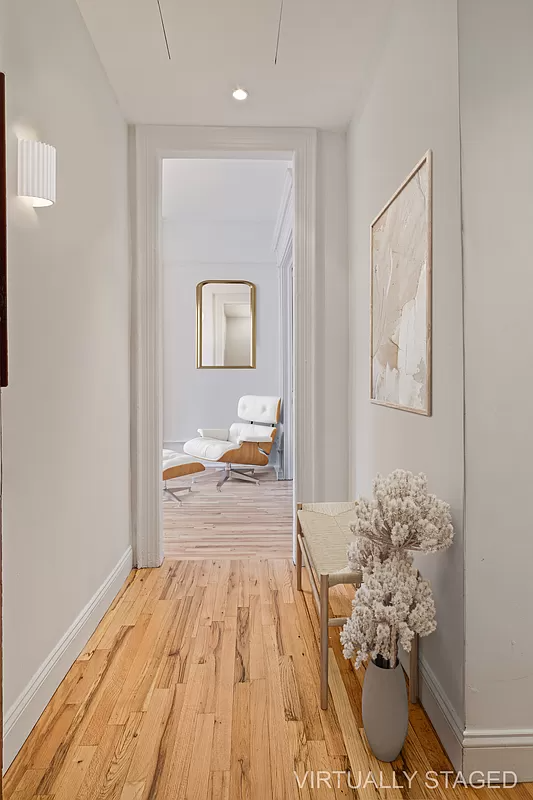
x,y
244,432
173,459
215,433
208,449
259,408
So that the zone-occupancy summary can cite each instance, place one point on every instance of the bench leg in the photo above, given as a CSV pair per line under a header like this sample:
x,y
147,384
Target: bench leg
x,y
298,565
298,550
324,640
413,671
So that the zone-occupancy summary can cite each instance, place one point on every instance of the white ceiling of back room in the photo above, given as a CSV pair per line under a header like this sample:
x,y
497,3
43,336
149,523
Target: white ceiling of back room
x,y
221,210
327,51
223,190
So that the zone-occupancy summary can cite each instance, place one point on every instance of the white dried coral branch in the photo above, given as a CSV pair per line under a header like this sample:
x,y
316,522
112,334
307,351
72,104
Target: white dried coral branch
x,y
402,516
393,602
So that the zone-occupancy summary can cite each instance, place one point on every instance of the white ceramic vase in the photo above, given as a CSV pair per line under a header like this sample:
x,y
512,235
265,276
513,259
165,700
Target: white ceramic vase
x,y
385,710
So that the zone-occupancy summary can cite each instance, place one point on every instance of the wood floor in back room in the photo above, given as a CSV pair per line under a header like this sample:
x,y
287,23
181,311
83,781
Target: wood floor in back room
x,y
202,683
243,520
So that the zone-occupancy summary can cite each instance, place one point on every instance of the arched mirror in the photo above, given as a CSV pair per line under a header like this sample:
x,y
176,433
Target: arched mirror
x,y
225,325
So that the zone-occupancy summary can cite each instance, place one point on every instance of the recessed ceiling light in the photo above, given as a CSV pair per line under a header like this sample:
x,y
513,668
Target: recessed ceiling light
x,y
240,94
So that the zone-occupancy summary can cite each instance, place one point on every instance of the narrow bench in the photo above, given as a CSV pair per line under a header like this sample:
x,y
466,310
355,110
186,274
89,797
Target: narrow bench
x,y
323,535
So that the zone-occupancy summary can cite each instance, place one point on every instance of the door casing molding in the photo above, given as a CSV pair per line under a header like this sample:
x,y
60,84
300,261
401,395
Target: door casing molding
x,y
283,247
150,144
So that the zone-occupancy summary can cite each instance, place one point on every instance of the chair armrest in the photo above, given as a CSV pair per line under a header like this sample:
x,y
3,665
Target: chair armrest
x,y
254,438
214,433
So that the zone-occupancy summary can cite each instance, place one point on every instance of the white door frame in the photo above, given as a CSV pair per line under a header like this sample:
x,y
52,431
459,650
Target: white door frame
x,y
283,247
150,145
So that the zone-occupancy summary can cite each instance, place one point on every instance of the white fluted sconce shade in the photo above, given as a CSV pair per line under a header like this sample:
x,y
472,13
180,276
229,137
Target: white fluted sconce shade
x,y
37,172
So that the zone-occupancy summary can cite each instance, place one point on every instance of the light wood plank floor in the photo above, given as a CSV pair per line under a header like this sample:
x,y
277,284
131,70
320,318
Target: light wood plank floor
x,y
202,683
241,521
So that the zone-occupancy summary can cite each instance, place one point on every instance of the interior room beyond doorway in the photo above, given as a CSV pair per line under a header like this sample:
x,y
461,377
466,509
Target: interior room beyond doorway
x,y
226,247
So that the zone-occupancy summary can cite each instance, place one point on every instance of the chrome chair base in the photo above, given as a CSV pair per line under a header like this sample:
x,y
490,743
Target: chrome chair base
x,y
171,492
236,474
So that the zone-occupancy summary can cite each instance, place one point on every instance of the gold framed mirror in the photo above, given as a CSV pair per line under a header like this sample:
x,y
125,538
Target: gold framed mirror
x,y
225,325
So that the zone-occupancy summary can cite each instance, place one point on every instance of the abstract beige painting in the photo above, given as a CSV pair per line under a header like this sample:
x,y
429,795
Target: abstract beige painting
x,y
401,296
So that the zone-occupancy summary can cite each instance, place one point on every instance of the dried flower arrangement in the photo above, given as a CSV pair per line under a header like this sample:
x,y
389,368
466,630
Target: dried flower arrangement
x,y
393,602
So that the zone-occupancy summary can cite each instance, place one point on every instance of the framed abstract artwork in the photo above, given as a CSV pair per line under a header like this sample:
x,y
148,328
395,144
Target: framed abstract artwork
x,y
3,235
400,302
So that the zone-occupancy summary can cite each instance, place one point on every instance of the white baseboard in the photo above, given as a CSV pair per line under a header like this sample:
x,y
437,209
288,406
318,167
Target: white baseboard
x,y
440,711
442,714
474,750
28,707
499,750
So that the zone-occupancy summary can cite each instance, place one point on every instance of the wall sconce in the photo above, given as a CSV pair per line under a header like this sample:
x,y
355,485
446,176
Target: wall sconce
x,y
37,172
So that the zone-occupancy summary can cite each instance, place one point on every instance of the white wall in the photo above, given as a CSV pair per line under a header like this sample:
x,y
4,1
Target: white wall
x,y
412,106
217,241
66,410
496,69
195,398
226,231
332,314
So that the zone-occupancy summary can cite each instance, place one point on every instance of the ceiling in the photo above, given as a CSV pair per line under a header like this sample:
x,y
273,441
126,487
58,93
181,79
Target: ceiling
x,y
327,52
223,190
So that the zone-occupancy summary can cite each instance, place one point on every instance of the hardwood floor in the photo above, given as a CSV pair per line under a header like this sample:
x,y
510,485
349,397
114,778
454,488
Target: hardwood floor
x,y
241,521
201,683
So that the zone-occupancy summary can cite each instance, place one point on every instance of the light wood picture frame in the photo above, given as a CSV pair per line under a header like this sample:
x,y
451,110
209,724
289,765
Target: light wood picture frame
x,y
401,295
3,235
3,364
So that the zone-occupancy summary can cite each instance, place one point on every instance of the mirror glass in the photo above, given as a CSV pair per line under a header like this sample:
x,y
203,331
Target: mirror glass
x,y
225,320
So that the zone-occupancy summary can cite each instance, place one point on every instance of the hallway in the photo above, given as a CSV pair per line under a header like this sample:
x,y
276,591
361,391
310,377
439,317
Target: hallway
x,y
202,682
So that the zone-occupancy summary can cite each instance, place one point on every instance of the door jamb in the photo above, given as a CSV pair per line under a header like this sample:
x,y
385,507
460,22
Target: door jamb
x,y
283,247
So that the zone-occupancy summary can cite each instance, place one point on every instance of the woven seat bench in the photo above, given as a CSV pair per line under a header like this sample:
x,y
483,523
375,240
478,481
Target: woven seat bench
x,y
323,535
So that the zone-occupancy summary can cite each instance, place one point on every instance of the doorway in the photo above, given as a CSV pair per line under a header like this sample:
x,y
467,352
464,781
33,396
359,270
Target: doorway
x,y
226,250
150,146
